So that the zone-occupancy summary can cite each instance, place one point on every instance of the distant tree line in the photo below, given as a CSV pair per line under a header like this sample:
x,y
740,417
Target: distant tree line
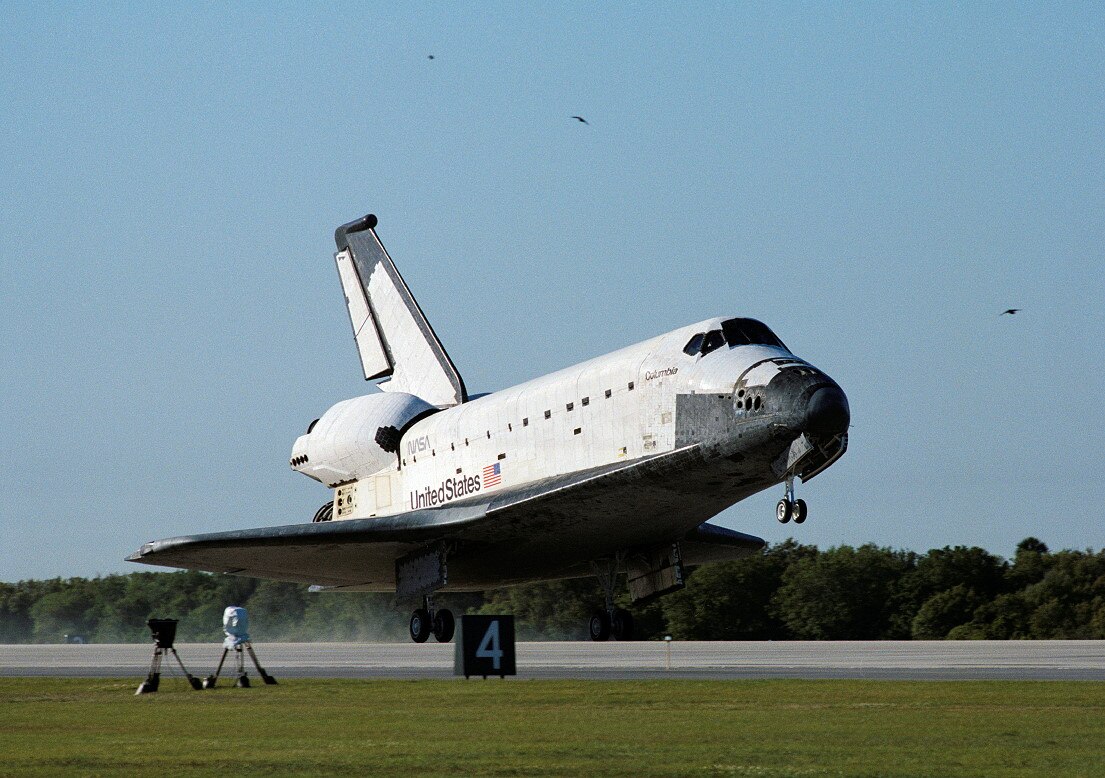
x,y
788,592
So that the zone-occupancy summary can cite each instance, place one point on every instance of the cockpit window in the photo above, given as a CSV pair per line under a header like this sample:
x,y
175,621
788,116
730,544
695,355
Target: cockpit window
x,y
748,332
713,341
694,345
704,342
734,332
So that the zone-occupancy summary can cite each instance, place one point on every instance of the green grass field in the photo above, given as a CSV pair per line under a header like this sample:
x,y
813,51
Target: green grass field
x,y
55,726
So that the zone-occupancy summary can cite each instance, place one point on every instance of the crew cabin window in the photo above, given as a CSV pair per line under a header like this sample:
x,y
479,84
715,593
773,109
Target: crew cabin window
x,y
704,342
712,342
694,345
749,332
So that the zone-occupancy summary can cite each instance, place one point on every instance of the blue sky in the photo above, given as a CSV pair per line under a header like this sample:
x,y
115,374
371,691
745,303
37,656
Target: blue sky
x,y
875,182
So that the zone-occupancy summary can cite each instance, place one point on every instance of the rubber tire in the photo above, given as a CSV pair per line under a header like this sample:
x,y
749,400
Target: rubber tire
x,y
420,626
599,626
444,625
621,626
783,511
799,511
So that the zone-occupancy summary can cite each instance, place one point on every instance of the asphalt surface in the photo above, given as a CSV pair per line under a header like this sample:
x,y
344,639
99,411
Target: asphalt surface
x,y
891,660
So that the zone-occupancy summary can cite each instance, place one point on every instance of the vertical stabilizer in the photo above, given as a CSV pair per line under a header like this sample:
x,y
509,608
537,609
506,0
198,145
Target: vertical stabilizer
x,y
393,338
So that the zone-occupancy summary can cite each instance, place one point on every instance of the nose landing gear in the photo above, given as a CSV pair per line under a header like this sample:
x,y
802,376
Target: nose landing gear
x,y
789,508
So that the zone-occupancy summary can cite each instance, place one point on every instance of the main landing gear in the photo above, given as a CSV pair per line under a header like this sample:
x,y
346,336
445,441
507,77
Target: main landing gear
x,y
616,623
789,508
610,622
428,620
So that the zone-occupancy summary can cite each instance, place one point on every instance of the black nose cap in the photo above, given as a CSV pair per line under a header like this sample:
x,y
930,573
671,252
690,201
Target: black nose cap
x,y
827,413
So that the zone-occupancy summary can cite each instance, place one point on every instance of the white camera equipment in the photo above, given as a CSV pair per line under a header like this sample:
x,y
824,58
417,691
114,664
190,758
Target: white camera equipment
x,y
236,628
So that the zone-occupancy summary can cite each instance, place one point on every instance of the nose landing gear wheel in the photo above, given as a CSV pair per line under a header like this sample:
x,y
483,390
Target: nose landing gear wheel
x,y
444,625
599,626
420,625
789,508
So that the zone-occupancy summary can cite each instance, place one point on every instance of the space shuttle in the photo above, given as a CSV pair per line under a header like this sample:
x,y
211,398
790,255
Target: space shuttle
x,y
610,468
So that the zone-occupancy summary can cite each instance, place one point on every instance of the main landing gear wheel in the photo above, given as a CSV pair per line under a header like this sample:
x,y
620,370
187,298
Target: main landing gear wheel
x,y
798,511
444,625
599,626
421,625
782,511
621,625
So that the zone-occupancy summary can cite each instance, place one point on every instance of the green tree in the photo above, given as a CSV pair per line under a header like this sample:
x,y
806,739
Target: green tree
x,y
351,616
1006,617
276,610
1065,601
941,570
844,593
16,622
552,610
68,611
1030,564
945,611
732,600
122,608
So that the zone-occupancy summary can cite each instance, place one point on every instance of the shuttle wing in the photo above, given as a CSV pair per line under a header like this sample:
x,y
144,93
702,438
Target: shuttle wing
x,y
333,553
506,536
394,339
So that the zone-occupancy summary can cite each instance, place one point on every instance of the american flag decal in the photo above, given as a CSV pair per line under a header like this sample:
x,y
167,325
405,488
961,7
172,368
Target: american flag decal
x,y
492,475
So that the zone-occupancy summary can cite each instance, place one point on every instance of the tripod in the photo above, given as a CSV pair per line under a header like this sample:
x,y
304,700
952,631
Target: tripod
x,y
243,679
164,633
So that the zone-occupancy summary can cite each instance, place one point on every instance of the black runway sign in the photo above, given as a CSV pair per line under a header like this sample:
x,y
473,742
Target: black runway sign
x,y
485,646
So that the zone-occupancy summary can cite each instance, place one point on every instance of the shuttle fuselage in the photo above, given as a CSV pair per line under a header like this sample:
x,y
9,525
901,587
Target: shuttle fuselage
x,y
642,400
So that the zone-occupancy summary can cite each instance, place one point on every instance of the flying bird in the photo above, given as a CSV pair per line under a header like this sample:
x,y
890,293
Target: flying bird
x,y
431,56
1010,311
579,119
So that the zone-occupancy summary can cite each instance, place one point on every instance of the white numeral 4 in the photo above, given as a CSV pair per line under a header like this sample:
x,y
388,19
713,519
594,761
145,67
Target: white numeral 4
x,y
489,646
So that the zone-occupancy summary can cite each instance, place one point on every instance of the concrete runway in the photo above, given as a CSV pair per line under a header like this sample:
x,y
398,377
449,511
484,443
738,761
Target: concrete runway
x,y
898,660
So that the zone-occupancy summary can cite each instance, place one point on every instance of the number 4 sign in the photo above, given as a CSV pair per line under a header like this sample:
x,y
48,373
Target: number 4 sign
x,y
485,646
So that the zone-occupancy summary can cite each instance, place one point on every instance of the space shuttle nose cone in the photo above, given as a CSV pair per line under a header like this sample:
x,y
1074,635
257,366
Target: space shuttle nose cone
x,y
827,413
